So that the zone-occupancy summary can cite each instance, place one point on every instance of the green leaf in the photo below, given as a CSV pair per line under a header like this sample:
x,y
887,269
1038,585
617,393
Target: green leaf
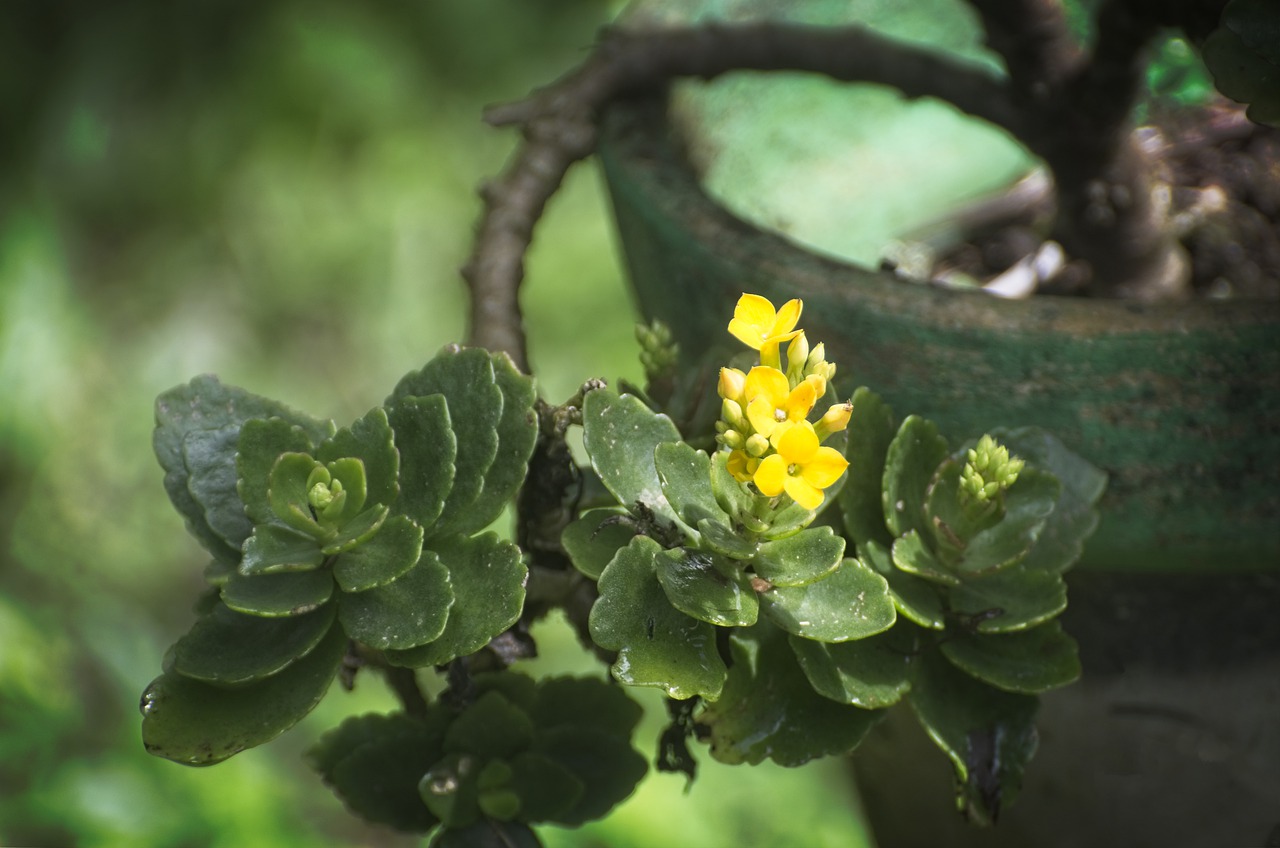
x,y
279,595
1027,506
547,790
486,834
198,724
989,735
914,455
388,555
801,559
722,540
287,493
1244,57
733,496
583,703
490,727
769,710
912,555
428,449
708,587
685,477
1013,599
870,673
357,531
404,613
349,472
374,762
260,444
605,763
210,457
1075,516
517,434
1028,661
657,645
621,436
951,525
919,601
852,603
450,791
487,577
227,649
793,517
465,378
369,440
274,547
519,689
594,537
206,404
870,430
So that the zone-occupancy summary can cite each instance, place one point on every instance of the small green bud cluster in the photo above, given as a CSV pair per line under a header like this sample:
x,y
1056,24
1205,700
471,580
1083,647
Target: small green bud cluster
x,y
658,349
989,471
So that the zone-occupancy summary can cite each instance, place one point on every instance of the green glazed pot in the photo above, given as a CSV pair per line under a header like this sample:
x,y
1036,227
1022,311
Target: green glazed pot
x,y
1172,736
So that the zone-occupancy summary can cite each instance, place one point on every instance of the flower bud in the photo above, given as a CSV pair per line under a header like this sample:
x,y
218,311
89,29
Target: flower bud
x,y
733,439
834,420
757,445
731,412
732,383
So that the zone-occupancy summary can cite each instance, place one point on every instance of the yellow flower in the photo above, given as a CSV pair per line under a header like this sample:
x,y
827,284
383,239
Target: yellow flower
x,y
801,467
758,325
732,383
742,466
771,401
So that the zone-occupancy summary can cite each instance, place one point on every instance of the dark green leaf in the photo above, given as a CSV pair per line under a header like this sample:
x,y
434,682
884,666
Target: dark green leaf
x,y
870,433
870,673
218,572
284,594
1027,506
1244,57
912,555
989,735
917,600
733,496
685,476
800,559
490,727
1013,599
519,689
768,709
547,790
227,648
198,724
586,703
852,603
274,547
657,645
404,613
594,537
210,457
951,524
340,742
517,433
1028,661
261,443
793,517
722,540
450,792
708,587
606,764
389,554
487,834
914,455
621,435
369,440
357,531
487,577
428,448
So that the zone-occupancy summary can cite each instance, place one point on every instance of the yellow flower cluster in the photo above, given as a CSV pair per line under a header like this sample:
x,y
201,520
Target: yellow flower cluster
x,y
764,414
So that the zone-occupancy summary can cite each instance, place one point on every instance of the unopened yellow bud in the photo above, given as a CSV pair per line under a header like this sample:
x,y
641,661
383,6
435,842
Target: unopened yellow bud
x,y
797,356
732,382
819,384
834,420
757,445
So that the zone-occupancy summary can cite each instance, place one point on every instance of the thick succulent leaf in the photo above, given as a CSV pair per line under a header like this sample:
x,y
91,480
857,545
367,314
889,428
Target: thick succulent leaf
x,y
519,689
685,477
198,724
584,703
404,613
210,457
369,440
260,444
1027,506
793,517
206,404
919,601
951,526
1075,516
1028,661
227,648
606,764
657,644
1243,54
490,727
428,448
546,789
621,435
487,834
870,673
722,540
769,710
279,595
1013,599
465,378
218,572
274,548
989,735
870,432
287,493
386,556
357,531
852,603
450,790
517,433
593,538
912,555
708,587
733,496
374,762
800,559
487,576
912,459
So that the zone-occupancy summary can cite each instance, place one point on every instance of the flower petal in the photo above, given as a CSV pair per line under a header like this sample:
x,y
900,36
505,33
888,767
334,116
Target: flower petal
x,y
825,468
770,478
767,382
799,444
800,401
761,415
787,318
802,493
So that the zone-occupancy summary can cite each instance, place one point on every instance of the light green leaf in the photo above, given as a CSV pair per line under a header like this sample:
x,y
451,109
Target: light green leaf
x,y
733,496
912,555
800,559
621,435
273,548
226,648
407,612
685,477
1027,506
594,537
913,456
870,432
1028,661
428,448
357,531
852,603
870,673
1013,599
260,444
278,595
657,644
198,724
287,493
383,558
920,601
708,587
210,457
722,540
369,440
